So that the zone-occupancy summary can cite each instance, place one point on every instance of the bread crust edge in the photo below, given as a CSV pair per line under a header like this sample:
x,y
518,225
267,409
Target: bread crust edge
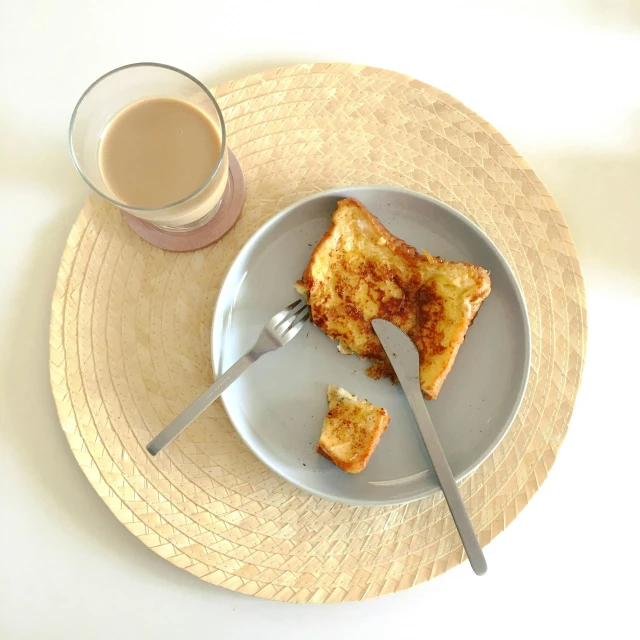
x,y
360,464
305,284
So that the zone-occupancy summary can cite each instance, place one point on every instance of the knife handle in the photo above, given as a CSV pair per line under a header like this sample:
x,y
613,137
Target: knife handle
x,y
448,484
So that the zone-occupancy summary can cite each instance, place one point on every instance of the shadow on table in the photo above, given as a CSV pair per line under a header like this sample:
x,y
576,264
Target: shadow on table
x,y
622,12
599,197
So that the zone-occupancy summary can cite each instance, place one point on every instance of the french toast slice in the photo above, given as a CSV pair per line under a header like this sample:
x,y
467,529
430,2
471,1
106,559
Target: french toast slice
x,y
359,271
351,430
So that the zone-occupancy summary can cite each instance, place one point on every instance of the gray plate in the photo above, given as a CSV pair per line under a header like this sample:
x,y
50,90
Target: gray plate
x,y
278,406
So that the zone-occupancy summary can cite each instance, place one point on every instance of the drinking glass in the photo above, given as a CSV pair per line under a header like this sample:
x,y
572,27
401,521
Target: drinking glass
x,y
118,89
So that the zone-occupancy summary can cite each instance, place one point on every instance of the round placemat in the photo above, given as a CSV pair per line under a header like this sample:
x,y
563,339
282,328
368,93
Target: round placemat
x,y
130,345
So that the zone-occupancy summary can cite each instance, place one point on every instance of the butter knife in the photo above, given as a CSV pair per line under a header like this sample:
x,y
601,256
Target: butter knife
x,y
406,363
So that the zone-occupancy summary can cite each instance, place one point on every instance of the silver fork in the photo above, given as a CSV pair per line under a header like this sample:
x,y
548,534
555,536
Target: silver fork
x,y
283,327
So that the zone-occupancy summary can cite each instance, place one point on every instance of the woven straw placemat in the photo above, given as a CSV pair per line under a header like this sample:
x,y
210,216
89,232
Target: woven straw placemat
x,y
130,343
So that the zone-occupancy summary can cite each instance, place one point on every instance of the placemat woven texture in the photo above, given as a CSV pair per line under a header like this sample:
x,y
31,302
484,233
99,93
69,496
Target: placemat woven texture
x,y
130,343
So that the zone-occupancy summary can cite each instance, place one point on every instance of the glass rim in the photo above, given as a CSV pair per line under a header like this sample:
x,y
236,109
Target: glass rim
x,y
199,190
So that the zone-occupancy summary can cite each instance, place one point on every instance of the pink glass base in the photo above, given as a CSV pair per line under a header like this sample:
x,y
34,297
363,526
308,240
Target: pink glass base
x,y
192,239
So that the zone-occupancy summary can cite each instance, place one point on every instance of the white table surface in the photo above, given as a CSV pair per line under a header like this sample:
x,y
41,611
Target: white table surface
x,y
560,80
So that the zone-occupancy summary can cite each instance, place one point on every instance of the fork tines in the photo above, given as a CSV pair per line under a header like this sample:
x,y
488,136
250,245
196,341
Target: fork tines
x,y
288,318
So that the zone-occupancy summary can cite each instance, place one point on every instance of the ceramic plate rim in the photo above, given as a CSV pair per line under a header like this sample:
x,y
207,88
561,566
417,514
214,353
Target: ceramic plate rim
x,y
340,192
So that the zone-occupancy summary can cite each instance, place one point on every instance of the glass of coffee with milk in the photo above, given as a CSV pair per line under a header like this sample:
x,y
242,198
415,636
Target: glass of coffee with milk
x,y
150,139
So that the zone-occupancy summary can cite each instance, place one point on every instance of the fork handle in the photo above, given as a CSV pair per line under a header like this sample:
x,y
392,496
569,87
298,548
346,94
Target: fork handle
x,y
183,420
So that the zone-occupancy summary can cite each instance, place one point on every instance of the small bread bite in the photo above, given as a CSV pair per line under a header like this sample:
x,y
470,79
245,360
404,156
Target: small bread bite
x,y
351,430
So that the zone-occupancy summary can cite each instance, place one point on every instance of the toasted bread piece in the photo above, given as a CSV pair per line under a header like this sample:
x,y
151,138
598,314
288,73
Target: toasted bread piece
x,y
351,430
359,271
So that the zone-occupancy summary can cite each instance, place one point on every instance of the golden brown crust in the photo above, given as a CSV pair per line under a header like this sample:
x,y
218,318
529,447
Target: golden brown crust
x,y
360,463
432,300
351,431
402,247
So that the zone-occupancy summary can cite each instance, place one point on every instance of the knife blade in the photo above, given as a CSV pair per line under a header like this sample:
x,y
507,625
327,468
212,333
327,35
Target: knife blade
x,y
405,361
